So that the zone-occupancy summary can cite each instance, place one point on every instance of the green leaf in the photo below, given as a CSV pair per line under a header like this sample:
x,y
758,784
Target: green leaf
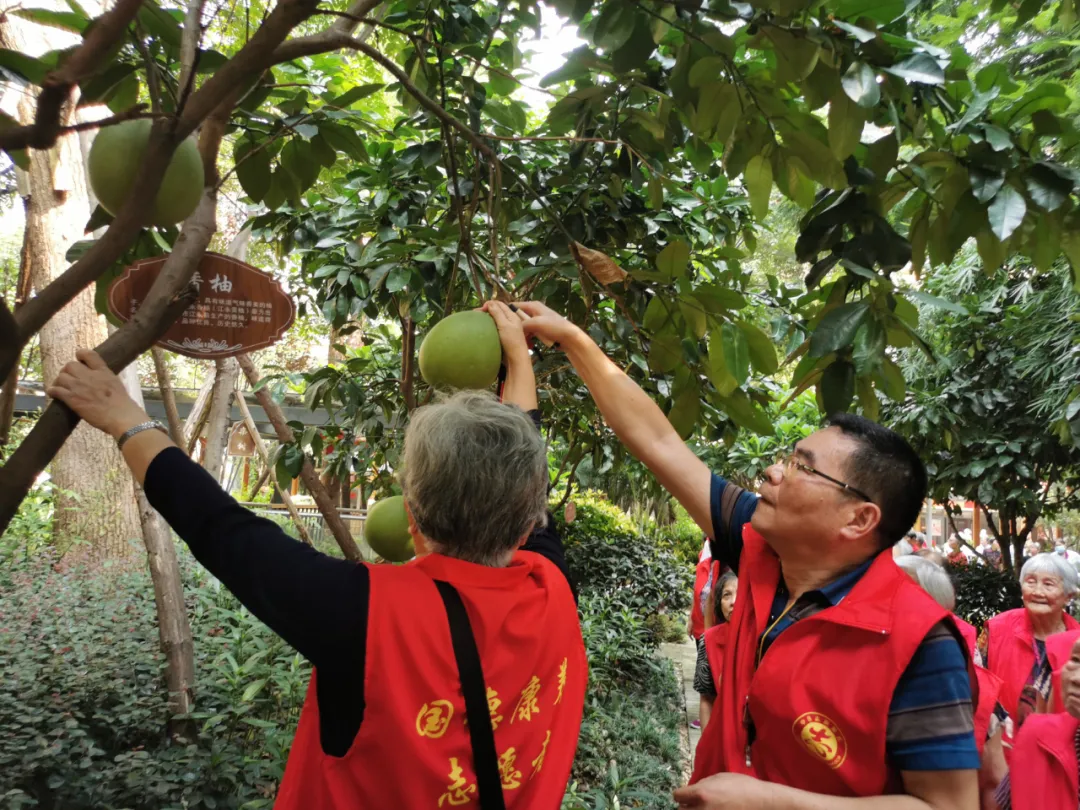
x,y
695,317
891,380
252,690
846,121
796,57
919,69
869,346
985,183
657,315
736,352
656,193
934,301
758,180
762,352
882,11
837,387
818,158
868,401
1070,244
297,158
350,97
746,414
614,25
684,412
20,66
123,94
716,368
64,20
665,353
860,84
252,169
160,24
1006,212
917,236
1048,188
672,261
837,329
861,34
20,157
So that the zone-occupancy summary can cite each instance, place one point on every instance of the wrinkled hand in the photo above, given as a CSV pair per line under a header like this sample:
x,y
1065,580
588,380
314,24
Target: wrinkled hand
x,y
727,791
89,388
511,334
547,324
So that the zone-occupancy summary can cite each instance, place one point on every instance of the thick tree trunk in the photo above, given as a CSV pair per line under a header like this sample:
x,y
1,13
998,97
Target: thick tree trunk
x,y
307,474
95,504
168,398
217,423
22,292
174,631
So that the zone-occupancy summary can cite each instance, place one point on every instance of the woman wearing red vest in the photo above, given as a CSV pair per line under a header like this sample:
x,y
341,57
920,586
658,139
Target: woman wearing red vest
x,y
990,715
841,677
1016,639
703,586
383,725
1058,652
1044,771
717,635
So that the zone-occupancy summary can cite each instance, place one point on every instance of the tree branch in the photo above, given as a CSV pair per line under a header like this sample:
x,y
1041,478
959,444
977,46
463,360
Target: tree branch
x,y
169,296
307,473
189,50
83,62
168,397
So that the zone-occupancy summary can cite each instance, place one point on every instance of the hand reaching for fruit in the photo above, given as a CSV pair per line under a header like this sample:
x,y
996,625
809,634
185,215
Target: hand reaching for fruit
x,y
520,386
548,325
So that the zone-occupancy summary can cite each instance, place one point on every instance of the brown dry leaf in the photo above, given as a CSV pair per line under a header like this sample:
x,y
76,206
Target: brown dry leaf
x,y
600,266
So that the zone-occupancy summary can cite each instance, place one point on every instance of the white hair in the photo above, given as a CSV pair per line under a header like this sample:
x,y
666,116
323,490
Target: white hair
x,y
475,476
1049,563
902,548
931,578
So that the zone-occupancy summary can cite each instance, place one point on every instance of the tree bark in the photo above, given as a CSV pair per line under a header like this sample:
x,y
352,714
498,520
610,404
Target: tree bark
x,y
94,503
260,482
301,529
22,292
168,397
217,423
174,630
193,426
307,474
408,357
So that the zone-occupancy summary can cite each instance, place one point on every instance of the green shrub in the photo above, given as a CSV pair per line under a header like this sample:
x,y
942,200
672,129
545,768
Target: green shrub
x,y
683,537
629,751
83,703
983,592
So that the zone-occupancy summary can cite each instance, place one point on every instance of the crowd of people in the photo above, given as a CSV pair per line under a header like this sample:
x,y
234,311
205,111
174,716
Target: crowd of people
x,y
833,674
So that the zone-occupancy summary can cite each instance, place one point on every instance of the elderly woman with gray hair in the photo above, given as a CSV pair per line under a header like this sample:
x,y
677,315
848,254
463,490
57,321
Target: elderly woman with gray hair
x,y
1015,647
455,679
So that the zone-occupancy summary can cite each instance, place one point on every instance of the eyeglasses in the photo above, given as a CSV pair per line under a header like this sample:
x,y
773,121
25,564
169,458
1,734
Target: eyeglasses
x,y
788,460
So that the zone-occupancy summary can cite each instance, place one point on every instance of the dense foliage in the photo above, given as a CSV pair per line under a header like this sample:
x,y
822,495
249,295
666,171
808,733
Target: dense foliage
x,y
983,592
994,413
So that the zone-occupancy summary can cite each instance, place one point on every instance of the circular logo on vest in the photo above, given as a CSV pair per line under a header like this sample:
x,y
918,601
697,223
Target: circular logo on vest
x,y
822,738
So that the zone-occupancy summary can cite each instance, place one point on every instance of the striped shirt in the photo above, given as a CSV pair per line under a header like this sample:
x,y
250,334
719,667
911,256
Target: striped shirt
x,y
931,724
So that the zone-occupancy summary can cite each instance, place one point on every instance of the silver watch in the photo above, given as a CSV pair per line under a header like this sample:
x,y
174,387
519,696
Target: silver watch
x,y
139,428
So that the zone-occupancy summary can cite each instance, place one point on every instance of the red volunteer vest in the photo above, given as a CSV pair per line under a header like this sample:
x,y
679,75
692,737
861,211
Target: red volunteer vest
x,y
989,690
697,615
1058,652
1010,648
970,634
715,640
413,748
819,700
1044,766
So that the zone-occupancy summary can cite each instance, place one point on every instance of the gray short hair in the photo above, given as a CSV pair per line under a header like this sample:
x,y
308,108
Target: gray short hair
x,y
475,476
931,578
1055,565
902,548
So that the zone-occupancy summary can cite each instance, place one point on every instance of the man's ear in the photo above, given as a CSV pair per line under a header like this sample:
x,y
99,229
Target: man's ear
x,y
864,519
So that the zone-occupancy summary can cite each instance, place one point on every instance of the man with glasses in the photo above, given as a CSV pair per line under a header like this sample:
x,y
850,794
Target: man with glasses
x,y
842,678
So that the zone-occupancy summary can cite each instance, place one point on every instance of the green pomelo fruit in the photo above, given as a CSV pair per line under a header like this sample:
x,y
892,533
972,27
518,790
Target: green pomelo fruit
x,y
462,351
387,530
114,162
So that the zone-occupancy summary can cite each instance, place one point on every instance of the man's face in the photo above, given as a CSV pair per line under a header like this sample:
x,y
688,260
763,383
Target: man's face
x,y
797,506
1070,682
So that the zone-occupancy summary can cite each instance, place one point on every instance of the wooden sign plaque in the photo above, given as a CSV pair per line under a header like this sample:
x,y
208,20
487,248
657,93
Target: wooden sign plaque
x,y
239,309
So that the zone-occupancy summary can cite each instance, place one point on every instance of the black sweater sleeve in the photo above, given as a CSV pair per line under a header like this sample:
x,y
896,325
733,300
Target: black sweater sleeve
x,y
317,603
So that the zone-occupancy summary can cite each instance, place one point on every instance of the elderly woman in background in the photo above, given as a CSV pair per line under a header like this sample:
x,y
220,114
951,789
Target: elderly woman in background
x,y
990,715
1016,639
481,626
1045,773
